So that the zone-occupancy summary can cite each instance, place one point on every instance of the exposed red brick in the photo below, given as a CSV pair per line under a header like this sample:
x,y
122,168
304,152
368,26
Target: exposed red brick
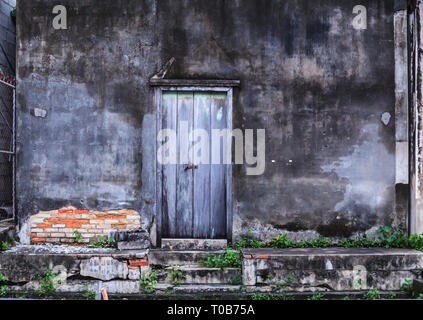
x,y
83,220
261,257
73,225
118,226
67,220
60,215
110,216
73,216
86,226
44,225
66,211
129,211
247,256
81,211
138,262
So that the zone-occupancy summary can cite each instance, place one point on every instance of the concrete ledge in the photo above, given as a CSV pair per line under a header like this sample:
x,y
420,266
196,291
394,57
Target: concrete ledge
x,y
331,269
200,275
336,269
194,244
166,257
207,288
25,263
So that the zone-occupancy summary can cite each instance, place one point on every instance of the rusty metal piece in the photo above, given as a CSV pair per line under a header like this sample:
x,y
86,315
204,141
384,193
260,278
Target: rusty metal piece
x,y
104,295
191,167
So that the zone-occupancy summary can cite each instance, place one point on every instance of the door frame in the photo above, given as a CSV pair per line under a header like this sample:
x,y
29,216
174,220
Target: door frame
x,y
162,85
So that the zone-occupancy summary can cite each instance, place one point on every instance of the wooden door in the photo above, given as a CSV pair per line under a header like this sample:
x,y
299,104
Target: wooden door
x,y
194,191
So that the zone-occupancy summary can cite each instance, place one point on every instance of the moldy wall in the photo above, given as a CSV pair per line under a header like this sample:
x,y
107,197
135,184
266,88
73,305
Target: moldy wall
x,y
324,92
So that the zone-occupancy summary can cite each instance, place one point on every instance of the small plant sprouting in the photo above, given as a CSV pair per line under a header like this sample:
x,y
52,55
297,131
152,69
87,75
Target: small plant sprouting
x,y
372,294
286,282
407,285
47,280
420,297
229,259
347,298
103,242
2,278
263,296
88,294
316,296
78,236
176,275
385,237
5,246
170,290
149,282
4,289
249,242
357,283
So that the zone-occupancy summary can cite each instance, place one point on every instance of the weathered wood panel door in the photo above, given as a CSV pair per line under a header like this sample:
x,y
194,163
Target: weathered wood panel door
x,y
194,191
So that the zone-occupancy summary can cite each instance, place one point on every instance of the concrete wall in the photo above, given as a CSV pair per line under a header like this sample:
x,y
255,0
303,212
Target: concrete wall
x,y
7,36
416,114
7,67
318,86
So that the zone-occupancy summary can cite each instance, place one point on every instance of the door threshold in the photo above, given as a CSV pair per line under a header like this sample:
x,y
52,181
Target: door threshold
x,y
194,244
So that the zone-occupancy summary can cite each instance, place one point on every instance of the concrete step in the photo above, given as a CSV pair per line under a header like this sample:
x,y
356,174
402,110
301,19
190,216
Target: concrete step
x,y
197,288
194,244
201,288
336,269
165,257
209,276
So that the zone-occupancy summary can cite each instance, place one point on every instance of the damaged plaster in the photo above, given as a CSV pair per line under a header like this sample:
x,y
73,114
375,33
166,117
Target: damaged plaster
x,y
317,85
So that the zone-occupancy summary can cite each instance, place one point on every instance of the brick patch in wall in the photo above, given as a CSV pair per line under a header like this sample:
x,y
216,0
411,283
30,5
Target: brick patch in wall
x,y
138,262
58,226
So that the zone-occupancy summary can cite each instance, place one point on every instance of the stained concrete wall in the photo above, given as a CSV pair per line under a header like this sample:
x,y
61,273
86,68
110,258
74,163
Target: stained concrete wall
x,y
7,67
318,86
7,37
416,114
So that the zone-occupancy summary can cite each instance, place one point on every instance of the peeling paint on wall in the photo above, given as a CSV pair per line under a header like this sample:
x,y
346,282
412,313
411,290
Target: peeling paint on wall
x,y
59,226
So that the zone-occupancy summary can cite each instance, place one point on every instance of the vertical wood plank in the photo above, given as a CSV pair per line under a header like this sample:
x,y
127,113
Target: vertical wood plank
x,y
228,179
217,181
169,121
184,184
158,185
202,203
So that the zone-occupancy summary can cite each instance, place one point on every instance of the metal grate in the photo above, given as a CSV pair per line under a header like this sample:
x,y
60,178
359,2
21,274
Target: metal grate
x,y
7,148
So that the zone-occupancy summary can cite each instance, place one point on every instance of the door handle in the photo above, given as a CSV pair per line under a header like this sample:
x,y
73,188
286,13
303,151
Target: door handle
x,y
191,167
